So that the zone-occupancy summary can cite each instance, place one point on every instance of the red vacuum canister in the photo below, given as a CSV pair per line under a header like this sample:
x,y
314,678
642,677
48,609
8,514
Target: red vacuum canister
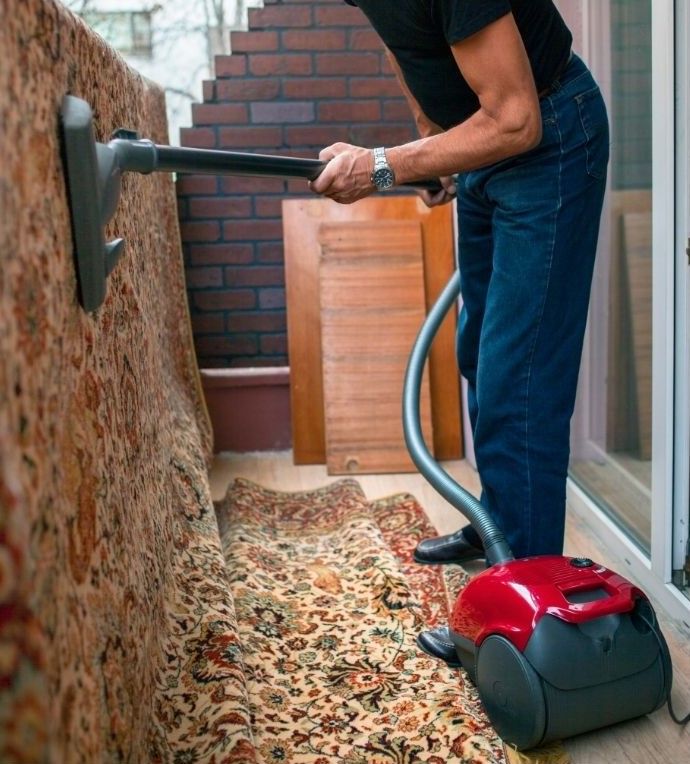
x,y
557,646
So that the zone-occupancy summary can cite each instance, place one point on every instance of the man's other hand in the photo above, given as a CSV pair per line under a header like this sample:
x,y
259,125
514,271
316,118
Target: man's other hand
x,y
447,193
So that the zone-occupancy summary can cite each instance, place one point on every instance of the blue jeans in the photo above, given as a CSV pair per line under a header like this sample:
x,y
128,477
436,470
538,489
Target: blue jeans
x,y
528,229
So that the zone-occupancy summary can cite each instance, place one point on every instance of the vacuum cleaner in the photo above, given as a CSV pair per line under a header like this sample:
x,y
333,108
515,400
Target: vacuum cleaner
x,y
555,645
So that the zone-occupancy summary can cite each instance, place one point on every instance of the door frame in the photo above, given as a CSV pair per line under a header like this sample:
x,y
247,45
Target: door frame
x,y
681,513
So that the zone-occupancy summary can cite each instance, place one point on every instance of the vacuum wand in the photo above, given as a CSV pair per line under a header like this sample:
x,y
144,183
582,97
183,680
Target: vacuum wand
x,y
146,156
94,171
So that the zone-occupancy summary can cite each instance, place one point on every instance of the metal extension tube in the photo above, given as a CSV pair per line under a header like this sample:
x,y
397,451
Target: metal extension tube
x,y
142,155
94,171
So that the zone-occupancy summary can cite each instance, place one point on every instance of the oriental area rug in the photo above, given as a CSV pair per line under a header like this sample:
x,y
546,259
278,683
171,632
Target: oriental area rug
x,y
328,606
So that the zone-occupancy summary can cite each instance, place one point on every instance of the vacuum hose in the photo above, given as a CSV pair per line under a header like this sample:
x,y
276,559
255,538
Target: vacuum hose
x,y
495,545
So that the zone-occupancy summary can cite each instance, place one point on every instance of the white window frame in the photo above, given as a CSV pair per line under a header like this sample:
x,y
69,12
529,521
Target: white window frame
x,y
681,514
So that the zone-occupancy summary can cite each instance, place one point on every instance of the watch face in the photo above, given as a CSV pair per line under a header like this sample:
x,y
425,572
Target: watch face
x,y
383,178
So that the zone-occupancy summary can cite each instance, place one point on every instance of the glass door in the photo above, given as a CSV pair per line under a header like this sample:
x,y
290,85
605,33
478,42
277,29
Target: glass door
x,y
630,462
612,440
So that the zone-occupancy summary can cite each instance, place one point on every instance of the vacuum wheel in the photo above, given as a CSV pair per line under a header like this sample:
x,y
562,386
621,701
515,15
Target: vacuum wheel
x,y
511,692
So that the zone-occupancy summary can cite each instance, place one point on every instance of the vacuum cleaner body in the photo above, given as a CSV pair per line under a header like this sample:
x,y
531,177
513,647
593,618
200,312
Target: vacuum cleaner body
x,y
558,646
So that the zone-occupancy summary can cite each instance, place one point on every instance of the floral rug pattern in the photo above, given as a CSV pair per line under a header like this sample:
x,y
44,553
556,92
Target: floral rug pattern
x,y
328,606
103,434
127,632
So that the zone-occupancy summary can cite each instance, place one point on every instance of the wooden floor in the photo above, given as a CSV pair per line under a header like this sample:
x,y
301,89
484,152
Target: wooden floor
x,y
623,483
651,740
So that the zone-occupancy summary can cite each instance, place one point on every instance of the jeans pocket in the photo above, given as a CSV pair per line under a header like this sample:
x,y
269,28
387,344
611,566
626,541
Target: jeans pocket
x,y
595,125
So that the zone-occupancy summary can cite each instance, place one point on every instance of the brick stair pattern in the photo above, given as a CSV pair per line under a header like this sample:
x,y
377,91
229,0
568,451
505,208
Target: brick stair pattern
x,y
306,73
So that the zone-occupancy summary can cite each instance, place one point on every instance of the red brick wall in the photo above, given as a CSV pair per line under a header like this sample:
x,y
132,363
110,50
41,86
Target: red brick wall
x,y
307,73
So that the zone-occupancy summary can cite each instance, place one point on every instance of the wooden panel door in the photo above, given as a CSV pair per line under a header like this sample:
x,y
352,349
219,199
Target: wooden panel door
x,y
372,304
302,219
637,238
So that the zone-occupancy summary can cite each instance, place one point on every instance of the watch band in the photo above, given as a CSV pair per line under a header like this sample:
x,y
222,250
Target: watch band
x,y
382,175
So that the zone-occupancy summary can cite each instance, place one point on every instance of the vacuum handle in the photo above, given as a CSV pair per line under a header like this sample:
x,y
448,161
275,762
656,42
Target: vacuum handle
x,y
145,156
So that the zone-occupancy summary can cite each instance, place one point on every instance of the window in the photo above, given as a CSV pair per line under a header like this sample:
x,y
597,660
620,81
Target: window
x,y
127,31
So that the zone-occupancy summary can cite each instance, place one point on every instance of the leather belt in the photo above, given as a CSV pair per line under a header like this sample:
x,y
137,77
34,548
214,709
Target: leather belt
x,y
548,90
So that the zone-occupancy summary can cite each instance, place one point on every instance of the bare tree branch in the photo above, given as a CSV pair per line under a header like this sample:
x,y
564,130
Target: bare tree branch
x,y
180,92
202,27
78,6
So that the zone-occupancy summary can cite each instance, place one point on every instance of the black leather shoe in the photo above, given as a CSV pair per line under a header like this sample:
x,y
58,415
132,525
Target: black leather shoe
x,y
437,643
451,548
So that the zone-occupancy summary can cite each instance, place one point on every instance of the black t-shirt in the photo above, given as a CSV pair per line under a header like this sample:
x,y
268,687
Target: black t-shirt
x,y
419,33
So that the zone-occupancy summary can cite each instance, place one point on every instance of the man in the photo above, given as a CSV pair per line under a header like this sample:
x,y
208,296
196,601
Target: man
x,y
515,124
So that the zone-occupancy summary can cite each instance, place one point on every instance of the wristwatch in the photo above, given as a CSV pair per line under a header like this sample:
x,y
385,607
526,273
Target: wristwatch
x,y
382,175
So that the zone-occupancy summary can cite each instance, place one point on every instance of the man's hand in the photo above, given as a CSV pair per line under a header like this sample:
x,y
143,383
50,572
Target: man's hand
x,y
347,176
445,195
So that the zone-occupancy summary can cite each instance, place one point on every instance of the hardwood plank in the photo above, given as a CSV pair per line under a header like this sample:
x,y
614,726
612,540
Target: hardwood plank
x,y
637,237
301,221
372,303
300,226
620,436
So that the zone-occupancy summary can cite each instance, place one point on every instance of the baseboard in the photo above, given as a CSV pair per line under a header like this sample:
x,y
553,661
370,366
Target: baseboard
x,y
249,408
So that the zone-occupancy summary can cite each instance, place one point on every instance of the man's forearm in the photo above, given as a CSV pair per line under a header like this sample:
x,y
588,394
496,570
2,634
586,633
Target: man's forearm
x,y
481,140
494,64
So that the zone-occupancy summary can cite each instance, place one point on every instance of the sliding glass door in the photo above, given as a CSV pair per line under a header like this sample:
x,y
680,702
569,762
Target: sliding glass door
x,y
612,447
630,462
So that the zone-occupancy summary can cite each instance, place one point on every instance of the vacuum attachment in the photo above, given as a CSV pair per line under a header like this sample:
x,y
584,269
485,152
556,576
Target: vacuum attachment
x,y
94,171
88,206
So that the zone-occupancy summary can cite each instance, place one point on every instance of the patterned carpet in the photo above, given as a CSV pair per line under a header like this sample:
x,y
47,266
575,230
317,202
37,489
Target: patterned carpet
x,y
328,605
